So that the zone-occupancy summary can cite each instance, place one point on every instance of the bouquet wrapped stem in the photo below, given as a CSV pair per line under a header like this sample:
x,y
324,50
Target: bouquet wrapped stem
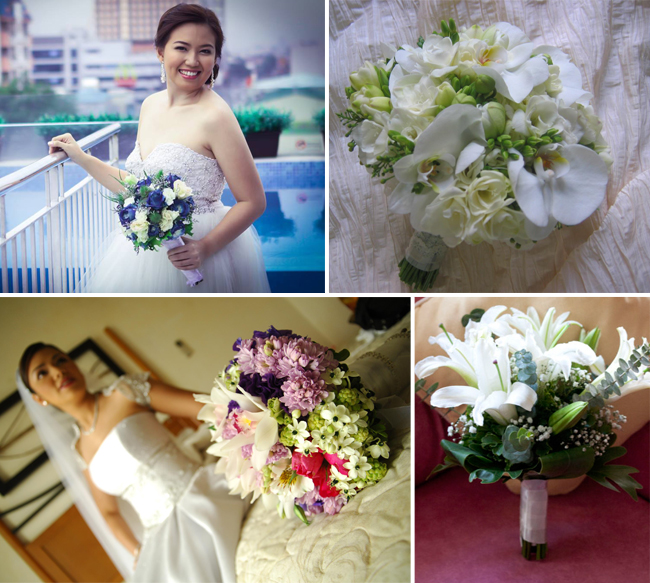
x,y
532,518
194,276
422,261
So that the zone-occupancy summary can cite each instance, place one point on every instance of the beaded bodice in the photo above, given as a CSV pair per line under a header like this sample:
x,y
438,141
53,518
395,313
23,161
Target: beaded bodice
x,y
139,462
202,174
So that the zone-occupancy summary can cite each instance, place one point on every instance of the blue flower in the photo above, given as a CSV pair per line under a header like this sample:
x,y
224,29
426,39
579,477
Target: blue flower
x,y
265,387
144,182
273,332
181,206
178,229
127,214
171,178
154,231
156,200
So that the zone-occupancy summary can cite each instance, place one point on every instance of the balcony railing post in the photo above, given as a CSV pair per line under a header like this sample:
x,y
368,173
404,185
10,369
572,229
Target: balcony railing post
x,y
52,195
3,246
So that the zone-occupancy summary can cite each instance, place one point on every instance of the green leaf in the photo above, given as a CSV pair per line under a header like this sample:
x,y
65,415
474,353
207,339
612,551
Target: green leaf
x,y
300,513
419,385
570,463
340,356
606,474
487,476
466,457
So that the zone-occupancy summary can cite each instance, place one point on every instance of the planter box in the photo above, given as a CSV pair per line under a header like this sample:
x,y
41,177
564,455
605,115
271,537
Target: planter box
x,y
263,144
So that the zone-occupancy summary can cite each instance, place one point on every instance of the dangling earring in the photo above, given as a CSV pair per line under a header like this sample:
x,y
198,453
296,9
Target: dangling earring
x,y
212,79
163,76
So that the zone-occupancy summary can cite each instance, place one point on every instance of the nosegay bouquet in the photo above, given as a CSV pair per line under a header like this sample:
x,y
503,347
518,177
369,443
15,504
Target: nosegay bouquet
x,y
156,211
291,423
536,408
479,136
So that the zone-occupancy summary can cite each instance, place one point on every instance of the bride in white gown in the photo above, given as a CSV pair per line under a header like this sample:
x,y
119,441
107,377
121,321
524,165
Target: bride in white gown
x,y
189,523
190,131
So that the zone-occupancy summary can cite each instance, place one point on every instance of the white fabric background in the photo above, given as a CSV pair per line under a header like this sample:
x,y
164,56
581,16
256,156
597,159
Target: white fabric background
x,y
606,253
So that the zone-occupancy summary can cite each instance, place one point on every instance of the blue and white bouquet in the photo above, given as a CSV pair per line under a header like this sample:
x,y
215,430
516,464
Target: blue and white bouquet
x,y
479,136
156,211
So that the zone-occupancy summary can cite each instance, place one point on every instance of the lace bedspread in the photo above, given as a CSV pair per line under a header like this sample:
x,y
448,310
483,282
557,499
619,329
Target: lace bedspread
x,y
202,174
606,253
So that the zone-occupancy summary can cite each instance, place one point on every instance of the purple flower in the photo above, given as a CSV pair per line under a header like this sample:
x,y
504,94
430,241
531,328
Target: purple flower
x,y
266,387
236,345
154,231
273,332
156,200
178,229
144,182
127,214
233,406
278,452
247,451
304,394
171,178
333,505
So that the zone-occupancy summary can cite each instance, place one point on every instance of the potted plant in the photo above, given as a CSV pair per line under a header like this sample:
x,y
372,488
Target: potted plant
x,y
319,120
262,127
126,136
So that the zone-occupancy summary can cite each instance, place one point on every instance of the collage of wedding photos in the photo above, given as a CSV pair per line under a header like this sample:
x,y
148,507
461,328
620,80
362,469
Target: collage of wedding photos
x,y
416,235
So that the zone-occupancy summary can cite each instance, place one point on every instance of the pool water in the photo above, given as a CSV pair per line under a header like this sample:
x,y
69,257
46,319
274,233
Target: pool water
x,y
292,229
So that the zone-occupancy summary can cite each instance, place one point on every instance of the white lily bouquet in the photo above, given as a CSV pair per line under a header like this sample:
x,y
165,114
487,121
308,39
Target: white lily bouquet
x,y
536,408
479,136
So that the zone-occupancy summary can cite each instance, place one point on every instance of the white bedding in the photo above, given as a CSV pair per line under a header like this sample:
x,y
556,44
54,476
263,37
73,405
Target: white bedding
x,y
606,253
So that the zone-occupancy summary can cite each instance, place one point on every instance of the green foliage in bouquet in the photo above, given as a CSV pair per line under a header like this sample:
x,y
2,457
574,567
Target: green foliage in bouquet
x,y
80,131
262,119
569,432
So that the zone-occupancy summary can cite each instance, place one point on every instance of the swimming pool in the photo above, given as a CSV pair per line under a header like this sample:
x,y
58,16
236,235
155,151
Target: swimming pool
x,y
292,230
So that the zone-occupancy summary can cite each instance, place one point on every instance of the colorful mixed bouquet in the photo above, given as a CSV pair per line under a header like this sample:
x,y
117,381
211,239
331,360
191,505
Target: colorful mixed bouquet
x,y
156,211
292,423
480,136
536,409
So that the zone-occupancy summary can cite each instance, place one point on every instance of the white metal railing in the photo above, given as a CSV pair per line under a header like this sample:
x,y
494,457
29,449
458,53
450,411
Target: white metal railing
x,y
54,250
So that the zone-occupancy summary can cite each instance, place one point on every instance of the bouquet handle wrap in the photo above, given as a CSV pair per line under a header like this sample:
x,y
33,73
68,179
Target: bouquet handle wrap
x,y
193,276
532,517
422,260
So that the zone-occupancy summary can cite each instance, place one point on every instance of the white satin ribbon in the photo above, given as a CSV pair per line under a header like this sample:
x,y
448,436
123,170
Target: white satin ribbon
x,y
534,502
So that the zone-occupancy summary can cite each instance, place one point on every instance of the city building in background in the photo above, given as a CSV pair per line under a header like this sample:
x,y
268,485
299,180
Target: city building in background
x,y
15,62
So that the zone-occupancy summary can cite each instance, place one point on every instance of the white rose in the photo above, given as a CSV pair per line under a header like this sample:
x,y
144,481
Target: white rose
x,y
141,214
488,193
416,94
169,195
540,116
434,58
130,180
371,139
182,190
448,217
128,201
168,218
504,225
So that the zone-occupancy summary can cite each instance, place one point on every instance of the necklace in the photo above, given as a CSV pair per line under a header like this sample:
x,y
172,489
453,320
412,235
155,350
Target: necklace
x,y
92,427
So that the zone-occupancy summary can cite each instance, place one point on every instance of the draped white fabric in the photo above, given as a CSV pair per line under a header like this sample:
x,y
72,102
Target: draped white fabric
x,y
606,253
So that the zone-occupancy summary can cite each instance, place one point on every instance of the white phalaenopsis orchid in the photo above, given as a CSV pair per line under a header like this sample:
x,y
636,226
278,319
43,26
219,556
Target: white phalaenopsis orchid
x,y
568,185
448,146
492,392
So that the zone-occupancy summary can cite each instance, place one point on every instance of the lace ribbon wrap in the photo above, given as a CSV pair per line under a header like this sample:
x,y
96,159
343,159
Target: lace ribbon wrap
x,y
532,511
426,251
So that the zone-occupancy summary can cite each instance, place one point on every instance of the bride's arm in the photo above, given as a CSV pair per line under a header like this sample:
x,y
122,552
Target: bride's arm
x,y
230,149
173,401
108,508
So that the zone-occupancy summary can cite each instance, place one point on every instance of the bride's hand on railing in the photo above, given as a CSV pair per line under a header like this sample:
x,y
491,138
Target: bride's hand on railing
x,y
190,255
68,144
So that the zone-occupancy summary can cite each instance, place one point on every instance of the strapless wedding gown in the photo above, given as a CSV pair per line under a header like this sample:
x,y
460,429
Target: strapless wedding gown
x,y
191,523
238,267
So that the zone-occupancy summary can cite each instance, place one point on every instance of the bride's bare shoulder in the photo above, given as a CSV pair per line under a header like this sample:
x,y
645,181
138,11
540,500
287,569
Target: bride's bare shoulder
x,y
216,106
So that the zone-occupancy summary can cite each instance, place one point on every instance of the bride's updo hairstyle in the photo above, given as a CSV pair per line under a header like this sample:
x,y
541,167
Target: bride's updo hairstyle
x,y
26,358
190,14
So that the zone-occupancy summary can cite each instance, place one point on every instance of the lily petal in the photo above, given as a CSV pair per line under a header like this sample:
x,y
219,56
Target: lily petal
x,y
454,395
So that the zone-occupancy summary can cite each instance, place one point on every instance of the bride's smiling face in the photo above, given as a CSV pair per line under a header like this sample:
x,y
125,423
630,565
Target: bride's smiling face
x,y
54,377
189,55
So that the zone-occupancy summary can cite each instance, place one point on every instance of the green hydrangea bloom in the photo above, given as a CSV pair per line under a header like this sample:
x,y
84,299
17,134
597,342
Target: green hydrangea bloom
x,y
362,434
286,436
347,397
315,421
377,472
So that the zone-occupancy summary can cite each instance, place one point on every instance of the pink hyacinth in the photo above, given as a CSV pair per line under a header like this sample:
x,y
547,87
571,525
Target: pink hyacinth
x,y
278,452
247,451
333,505
304,394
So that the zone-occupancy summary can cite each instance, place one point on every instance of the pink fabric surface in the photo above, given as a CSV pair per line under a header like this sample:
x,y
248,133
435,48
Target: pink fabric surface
x,y
470,531
430,429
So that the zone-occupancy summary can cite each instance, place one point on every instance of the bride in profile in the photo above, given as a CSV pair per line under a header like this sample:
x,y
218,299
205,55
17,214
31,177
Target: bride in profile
x,y
190,131
191,523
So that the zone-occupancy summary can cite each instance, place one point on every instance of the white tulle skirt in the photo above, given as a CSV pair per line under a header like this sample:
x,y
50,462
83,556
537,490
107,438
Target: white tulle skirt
x,y
239,267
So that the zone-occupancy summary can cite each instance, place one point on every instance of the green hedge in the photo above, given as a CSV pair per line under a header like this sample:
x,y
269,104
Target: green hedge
x,y
262,119
81,131
319,119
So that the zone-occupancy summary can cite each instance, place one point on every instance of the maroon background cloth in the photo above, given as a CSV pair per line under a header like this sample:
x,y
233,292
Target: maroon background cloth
x,y
470,531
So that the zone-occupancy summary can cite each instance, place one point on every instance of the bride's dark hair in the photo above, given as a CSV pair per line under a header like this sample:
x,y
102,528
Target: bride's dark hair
x,y
26,358
190,13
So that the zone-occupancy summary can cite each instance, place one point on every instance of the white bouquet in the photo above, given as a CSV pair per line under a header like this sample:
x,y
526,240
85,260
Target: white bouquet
x,y
479,136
